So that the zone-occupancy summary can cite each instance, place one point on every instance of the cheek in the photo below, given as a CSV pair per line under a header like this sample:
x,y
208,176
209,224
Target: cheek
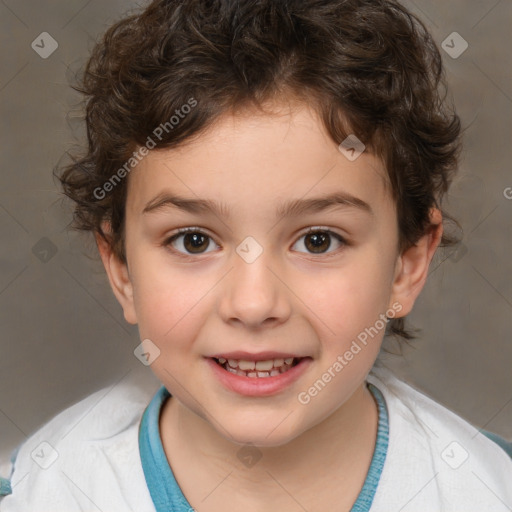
x,y
352,297
169,301
347,305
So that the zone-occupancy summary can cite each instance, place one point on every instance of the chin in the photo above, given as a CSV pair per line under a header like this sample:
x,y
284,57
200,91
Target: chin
x,y
259,434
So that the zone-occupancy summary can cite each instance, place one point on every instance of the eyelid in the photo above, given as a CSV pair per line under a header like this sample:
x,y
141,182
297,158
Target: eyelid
x,y
190,229
324,229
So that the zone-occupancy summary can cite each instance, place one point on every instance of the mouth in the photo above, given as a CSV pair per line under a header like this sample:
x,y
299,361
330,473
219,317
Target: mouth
x,y
263,374
258,369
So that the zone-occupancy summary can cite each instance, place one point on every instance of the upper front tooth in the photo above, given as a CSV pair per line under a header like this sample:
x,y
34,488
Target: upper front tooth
x,y
233,363
246,365
265,365
288,360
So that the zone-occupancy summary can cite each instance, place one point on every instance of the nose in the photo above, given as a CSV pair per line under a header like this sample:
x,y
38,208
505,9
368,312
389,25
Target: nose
x,y
253,295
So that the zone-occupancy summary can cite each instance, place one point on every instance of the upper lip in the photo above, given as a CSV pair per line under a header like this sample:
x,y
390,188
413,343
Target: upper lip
x,y
260,356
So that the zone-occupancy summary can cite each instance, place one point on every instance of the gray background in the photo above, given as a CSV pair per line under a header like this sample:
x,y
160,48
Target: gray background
x,y
62,333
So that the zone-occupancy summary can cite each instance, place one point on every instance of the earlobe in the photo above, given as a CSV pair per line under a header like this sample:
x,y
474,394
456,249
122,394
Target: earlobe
x,y
118,276
412,265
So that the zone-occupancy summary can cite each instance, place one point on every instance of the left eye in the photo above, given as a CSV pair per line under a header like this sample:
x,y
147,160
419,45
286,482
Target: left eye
x,y
191,242
319,241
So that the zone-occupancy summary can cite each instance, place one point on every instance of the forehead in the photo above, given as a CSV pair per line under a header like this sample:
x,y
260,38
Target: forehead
x,y
254,160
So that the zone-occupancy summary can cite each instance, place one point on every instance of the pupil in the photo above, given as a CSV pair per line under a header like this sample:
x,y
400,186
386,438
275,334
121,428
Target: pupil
x,y
318,242
194,241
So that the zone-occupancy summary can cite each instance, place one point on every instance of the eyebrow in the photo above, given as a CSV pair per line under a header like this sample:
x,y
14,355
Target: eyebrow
x,y
295,207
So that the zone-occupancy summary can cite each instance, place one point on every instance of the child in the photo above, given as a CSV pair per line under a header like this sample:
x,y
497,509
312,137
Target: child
x,y
264,180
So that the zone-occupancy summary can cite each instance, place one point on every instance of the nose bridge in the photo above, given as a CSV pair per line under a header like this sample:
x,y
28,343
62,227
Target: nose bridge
x,y
253,294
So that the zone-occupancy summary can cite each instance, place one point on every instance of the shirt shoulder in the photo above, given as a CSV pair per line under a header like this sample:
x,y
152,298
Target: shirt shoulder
x,y
87,454
436,458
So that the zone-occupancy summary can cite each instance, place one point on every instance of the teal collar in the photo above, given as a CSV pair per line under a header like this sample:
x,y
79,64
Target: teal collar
x,y
166,493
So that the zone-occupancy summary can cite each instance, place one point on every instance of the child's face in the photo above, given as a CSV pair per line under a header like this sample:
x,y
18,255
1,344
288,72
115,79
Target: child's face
x,y
198,297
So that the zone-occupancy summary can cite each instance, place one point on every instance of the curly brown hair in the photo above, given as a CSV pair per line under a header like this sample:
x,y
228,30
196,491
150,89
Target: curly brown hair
x,y
369,67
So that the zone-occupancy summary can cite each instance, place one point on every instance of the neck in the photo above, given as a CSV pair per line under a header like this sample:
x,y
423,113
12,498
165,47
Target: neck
x,y
341,445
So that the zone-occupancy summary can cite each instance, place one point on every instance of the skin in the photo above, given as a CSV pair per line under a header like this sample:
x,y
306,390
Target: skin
x,y
288,299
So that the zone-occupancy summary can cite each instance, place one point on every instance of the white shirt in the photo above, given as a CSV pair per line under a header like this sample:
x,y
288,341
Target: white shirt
x,y
87,458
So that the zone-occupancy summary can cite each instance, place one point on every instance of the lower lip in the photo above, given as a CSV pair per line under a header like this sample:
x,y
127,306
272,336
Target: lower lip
x,y
259,386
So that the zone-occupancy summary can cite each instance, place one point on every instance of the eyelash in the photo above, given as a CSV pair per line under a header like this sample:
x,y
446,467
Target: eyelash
x,y
183,231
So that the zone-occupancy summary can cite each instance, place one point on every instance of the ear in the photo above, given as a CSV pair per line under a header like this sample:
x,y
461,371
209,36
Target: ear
x,y
412,265
118,275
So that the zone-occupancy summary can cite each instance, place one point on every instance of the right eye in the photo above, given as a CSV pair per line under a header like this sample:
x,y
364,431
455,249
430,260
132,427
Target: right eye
x,y
190,241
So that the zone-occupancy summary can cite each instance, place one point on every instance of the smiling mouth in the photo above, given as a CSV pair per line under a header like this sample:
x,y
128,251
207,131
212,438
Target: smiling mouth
x,y
257,369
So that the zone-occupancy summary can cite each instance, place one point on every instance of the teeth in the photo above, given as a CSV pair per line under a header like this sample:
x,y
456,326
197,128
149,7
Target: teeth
x,y
264,365
246,365
259,366
256,369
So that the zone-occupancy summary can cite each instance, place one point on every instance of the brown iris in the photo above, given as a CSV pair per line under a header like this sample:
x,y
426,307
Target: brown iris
x,y
317,242
195,242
